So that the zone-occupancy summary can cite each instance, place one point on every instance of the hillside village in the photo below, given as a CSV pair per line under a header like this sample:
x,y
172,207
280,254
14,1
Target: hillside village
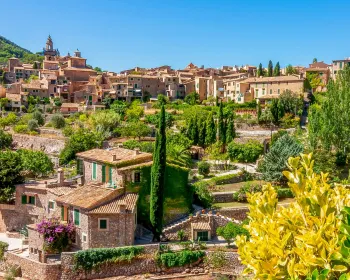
x,y
159,172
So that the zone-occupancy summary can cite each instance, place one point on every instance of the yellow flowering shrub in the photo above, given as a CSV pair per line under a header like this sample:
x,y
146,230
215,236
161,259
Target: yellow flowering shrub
x,y
310,235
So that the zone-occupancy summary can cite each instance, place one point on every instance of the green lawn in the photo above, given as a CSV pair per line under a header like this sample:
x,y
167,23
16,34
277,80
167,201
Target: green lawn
x,y
235,186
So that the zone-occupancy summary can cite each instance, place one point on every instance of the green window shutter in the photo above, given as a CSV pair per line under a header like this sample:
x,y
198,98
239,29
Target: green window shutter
x,y
76,217
110,175
103,173
24,199
94,170
62,213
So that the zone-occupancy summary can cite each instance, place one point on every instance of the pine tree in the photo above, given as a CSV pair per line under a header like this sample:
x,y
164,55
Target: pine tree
x,y
210,136
230,130
260,71
201,132
222,130
259,111
270,69
158,179
277,70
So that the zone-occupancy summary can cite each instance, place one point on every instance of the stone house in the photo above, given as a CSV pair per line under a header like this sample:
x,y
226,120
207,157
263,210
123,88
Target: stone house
x,y
96,201
338,65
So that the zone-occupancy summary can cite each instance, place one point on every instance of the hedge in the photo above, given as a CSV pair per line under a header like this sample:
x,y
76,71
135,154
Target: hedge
x,y
93,258
172,259
202,188
178,193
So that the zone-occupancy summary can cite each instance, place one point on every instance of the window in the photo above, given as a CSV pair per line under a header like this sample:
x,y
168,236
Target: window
x,y
28,199
103,224
135,85
335,63
94,167
131,79
278,91
84,237
263,91
239,99
340,65
51,205
256,92
137,177
202,235
76,217
229,84
321,74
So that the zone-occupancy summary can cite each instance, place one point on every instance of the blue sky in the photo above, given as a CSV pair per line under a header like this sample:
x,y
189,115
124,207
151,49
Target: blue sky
x,y
120,34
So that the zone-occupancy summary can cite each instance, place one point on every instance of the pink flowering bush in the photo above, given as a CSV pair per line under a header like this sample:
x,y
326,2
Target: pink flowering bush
x,y
58,236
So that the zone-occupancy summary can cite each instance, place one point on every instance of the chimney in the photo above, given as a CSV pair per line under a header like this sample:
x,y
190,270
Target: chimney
x,y
114,157
137,151
122,208
60,176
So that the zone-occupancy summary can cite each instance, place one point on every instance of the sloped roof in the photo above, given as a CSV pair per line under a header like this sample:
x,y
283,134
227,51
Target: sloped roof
x,y
113,207
89,196
290,78
116,156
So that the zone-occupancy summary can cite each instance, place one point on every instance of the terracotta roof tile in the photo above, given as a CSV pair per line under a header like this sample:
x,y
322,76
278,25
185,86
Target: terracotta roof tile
x,y
78,69
290,78
118,156
61,190
202,226
89,196
128,200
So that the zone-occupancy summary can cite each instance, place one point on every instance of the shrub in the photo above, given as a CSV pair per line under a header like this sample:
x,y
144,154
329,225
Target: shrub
x,y
310,233
289,121
58,121
3,249
57,236
39,117
241,194
93,258
275,161
181,234
5,139
230,231
33,125
21,128
172,259
284,193
340,158
67,131
204,168
248,152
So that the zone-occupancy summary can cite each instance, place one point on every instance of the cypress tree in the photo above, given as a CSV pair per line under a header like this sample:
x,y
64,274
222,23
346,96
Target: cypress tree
x,y
222,130
280,110
270,69
201,132
210,136
259,111
230,131
194,131
260,71
274,108
276,71
158,179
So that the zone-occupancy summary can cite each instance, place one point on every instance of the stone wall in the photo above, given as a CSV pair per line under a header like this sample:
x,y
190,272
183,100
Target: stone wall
x,y
47,145
32,269
223,197
234,213
233,265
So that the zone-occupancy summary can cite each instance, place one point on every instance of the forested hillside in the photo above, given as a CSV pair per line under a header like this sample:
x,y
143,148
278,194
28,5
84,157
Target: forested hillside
x,y
9,49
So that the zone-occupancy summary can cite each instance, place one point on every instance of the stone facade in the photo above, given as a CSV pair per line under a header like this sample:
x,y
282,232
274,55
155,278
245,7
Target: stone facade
x,y
201,222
